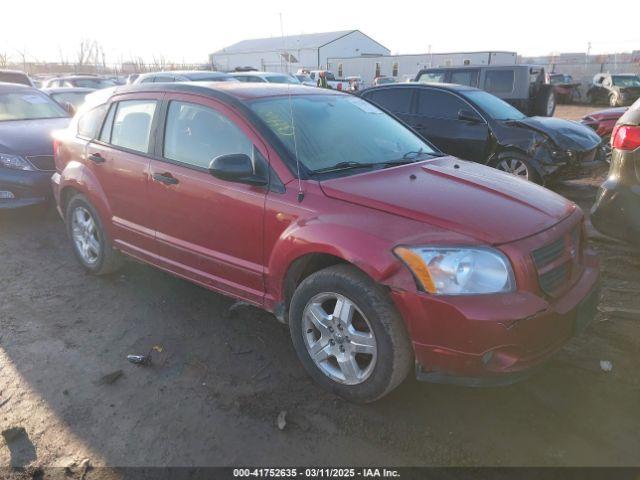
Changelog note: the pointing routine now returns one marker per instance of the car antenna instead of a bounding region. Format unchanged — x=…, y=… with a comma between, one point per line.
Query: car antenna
x=287, y=59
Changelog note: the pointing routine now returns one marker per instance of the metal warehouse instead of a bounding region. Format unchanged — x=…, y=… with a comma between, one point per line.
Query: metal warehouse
x=290, y=53
x=405, y=67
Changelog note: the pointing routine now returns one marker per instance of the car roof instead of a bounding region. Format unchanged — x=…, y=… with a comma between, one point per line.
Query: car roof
x=67, y=90
x=77, y=77
x=262, y=74
x=226, y=90
x=6, y=70
x=7, y=87
x=439, y=86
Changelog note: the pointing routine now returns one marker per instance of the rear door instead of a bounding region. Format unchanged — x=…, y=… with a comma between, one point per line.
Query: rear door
x=207, y=229
x=397, y=100
x=464, y=76
x=436, y=119
x=119, y=157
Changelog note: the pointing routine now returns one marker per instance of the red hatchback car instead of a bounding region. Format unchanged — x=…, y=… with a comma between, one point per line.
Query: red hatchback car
x=378, y=251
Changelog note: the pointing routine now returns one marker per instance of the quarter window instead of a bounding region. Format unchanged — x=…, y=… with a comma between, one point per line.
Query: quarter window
x=132, y=124
x=499, y=81
x=90, y=122
x=195, y=135
x=105, y=134
x=439, y=104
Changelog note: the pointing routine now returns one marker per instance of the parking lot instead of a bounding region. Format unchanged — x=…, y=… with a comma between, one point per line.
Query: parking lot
x=221, y=376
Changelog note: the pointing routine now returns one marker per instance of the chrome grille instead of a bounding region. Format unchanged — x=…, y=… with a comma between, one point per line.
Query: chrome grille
x=43, y=162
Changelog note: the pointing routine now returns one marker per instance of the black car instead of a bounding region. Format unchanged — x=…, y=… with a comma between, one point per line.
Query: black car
x=475, y=125
x=526, y=87
x=616, y=90
x=27, y=119
x=616, y=211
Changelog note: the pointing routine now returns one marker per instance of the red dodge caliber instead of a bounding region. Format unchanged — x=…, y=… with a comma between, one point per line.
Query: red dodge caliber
x=380, y=253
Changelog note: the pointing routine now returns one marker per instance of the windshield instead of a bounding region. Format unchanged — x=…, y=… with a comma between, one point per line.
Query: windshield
x=493, y=106
x=332, y=128
x=28, y=106
x=96, y=83
x=281, y=79
x=626, y=80
x=74, y=98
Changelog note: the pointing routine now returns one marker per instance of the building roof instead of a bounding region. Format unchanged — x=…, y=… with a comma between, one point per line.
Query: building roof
x=291, y=42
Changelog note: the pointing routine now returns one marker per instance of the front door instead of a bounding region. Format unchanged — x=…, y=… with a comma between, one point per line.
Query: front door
x=207, y=229
x=436, y=119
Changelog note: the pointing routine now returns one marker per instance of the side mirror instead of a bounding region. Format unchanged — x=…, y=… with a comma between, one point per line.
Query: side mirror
x=469, y=116
x=236, y=167
x=68, y=106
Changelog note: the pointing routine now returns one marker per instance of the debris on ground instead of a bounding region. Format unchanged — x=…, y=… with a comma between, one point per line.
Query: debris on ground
x=140, y=359
x=110, y=378
x=282, y=420
x=625, y=313
x=85, y=465
x=606, y=366
x=22, y=450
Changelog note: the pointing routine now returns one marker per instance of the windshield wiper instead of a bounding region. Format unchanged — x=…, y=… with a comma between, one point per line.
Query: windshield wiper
x=353, y=165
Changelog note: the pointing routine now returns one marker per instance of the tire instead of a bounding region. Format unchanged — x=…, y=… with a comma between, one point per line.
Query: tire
x=374, y=328
x=545, y=103
x=513, y=163
x=82, y=219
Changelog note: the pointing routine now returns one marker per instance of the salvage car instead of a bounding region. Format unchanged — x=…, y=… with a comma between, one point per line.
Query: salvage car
x=69, y=98
x=265, y=77
x=526, y=87
x=16, y=76
x=184, y=76
x=79, y=81
x=378, y=251
x=602, y=122
x=475, y=125
x=618, y=90
x=27, y=119
x=564, y=88
x=616, y=211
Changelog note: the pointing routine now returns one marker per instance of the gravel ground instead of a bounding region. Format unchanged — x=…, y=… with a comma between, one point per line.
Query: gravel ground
x=220, y=377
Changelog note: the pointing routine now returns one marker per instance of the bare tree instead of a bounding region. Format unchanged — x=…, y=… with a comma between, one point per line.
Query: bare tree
x=88, y=52
x=4, y=59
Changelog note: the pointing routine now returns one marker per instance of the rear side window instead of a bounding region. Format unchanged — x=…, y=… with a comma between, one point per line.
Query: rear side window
x=14, y=77
x=439, y=104
x=432, y=77
x=196, y=134
x=465, y=77
x=499, y=81
x=396, y=100
x=164, y=78
x=90, y=122
x=132, y=124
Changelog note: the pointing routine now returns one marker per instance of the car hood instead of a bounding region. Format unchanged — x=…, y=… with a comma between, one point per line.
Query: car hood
x=464, y=197
x=609, y=113
x=564, y=133
x=29, y=137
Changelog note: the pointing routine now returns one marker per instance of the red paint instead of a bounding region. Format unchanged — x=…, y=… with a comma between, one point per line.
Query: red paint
x=603, y=121
x=241, y=240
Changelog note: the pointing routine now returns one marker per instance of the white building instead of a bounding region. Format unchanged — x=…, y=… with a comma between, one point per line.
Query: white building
x=405, y=67
x=309, y=51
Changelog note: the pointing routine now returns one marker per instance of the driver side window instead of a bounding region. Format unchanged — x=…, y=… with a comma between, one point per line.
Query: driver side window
x=196, y=134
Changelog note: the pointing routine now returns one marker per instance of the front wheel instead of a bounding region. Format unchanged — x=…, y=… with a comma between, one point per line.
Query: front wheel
x=517, y=165
x=89, y=239
x=613, y=100
x=348, y=335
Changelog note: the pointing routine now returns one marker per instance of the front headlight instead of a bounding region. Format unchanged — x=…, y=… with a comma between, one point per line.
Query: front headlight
x=458, y=271
x=14, y=161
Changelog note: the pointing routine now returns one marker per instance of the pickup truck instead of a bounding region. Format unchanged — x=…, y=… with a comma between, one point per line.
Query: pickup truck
x=332, y=81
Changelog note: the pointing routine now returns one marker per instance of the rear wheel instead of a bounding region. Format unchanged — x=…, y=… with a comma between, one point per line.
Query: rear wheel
x=348, y=335
x=89, y=239
x=545, y=103
x=518, y=165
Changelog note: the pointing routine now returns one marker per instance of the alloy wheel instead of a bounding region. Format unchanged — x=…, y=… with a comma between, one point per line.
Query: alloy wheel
x=339, y=338
x=514, y=166
x=85, y=235
x=551, y=105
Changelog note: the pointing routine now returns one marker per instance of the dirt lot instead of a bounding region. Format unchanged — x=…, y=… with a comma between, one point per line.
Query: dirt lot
x=215, y=389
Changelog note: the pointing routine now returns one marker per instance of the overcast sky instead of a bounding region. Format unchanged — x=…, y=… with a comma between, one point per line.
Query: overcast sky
x=188, y=30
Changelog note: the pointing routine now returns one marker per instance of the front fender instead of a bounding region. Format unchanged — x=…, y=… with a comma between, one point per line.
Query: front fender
x=366, y=251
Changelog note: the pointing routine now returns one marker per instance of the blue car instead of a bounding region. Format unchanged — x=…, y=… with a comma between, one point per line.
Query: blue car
x=27, y=119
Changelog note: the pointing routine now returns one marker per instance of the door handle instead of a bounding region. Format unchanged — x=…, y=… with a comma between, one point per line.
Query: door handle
x=96, y=158
x=165, y=178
